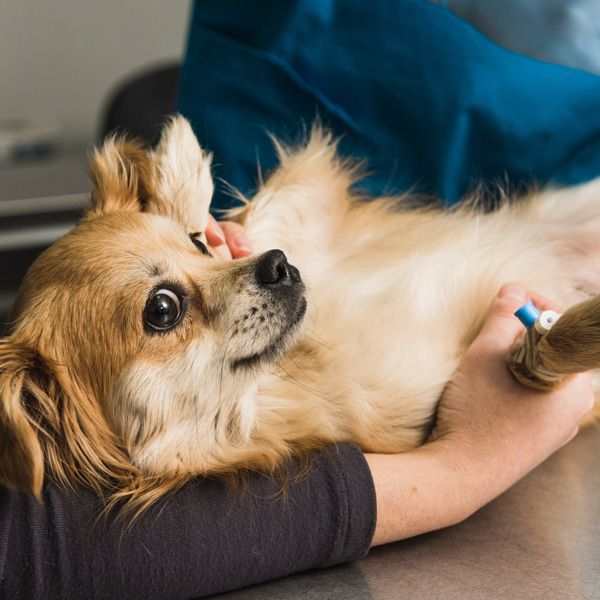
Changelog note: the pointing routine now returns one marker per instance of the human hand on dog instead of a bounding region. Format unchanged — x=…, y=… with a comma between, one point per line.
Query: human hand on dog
x=491, y=421
x=228, y=239
x=490, y=432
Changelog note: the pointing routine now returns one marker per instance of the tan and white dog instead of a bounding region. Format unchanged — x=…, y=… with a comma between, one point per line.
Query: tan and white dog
x=138, y=360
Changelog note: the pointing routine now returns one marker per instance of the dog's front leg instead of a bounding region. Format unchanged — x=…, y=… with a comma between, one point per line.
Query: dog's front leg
x=299, y=206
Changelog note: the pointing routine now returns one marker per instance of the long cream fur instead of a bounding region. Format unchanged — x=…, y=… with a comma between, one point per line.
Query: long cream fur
x=395, y=296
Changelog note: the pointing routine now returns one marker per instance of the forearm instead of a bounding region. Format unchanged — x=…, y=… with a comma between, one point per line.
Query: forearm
x=436, y=486
x=416, y=492
x=490, y=431
x=203, y=540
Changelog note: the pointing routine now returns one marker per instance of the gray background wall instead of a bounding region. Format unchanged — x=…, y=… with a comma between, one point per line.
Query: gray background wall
x=60, y=58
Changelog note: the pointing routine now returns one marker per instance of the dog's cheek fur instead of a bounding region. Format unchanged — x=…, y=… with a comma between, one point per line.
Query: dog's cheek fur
x=184, y=415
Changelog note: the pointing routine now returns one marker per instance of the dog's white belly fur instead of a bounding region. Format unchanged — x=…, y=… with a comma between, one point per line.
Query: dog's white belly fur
x=395, y=298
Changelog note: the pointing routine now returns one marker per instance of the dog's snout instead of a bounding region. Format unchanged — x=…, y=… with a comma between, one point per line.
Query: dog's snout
x=273, y=269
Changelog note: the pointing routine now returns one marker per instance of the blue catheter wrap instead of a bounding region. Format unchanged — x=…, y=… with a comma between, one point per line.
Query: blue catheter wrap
x=528, y=314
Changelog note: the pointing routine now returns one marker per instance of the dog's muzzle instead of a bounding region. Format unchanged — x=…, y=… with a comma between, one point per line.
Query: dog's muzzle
x=281, y=281
x=274, y=273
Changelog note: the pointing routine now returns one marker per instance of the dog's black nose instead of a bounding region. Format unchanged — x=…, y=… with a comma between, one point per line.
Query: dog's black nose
x=273, y=268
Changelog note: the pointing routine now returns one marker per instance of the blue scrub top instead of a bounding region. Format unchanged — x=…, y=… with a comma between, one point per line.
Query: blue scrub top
x=429, y=103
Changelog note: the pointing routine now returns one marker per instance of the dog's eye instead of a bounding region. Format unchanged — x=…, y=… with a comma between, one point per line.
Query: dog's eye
x=202, y=247
x=163, y=309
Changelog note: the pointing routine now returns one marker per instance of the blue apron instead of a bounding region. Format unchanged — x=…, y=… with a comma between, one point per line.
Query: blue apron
x=428, y=102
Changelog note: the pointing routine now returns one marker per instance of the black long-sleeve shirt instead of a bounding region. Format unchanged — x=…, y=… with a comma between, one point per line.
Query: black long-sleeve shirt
x=205, y=539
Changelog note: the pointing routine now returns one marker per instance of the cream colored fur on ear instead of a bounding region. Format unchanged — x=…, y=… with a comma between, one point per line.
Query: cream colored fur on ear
x=184, y=185
x=122, y=175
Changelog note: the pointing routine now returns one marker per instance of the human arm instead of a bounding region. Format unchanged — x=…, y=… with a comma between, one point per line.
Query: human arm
x=490, y=432
x=206, y=538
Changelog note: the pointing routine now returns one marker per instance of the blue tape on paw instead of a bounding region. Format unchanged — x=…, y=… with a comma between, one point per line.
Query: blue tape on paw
x=528, y=314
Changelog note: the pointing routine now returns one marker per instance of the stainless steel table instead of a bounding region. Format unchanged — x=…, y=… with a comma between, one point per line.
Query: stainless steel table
x=541, y=539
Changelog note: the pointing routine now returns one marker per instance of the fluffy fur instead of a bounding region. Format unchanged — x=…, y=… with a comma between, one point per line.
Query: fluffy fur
x=89, y=394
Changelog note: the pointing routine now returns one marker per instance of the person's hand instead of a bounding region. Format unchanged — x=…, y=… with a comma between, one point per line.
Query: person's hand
x=490, y=432
x=228, y=239
x=491, y=420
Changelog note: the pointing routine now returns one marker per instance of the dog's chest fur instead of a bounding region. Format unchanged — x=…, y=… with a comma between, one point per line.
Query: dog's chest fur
x=394, y=298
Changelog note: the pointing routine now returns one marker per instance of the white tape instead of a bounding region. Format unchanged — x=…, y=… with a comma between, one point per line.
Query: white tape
x=546, y=321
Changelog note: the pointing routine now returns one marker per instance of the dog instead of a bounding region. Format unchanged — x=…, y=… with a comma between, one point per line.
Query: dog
x=137, y=359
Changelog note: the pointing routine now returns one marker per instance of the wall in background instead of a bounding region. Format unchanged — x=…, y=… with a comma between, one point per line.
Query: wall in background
x=61, y=58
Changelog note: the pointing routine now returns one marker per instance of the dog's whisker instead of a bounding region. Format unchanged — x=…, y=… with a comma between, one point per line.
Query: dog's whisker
x=221, y=375
x=291, y=379
x=186, y=181
x=302, y=371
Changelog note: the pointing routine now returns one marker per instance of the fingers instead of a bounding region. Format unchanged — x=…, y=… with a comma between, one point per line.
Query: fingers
x=501, y=325
x=223, y=252
x=583, y=388
x=542, y=303
x=228, y=239
x=214, y=233
x=216, y=238
x=236, y=238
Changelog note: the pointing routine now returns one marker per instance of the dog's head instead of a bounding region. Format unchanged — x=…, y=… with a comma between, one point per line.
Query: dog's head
x=132, y=346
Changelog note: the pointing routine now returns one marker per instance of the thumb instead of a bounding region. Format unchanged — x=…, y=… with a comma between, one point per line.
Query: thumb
x=501, y=324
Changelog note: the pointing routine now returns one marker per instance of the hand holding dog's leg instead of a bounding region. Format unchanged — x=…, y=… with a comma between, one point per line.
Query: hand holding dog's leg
x=490, y=432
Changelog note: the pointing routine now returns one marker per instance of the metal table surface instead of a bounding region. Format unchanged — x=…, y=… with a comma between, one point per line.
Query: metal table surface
x=541, y=539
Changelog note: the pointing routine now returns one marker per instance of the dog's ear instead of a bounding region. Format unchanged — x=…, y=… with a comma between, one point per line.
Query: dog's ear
x=183, y=185
x=122, y=176
x=21, y=456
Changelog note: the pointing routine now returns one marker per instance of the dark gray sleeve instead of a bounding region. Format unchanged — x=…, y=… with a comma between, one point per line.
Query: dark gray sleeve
x=205, y=539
